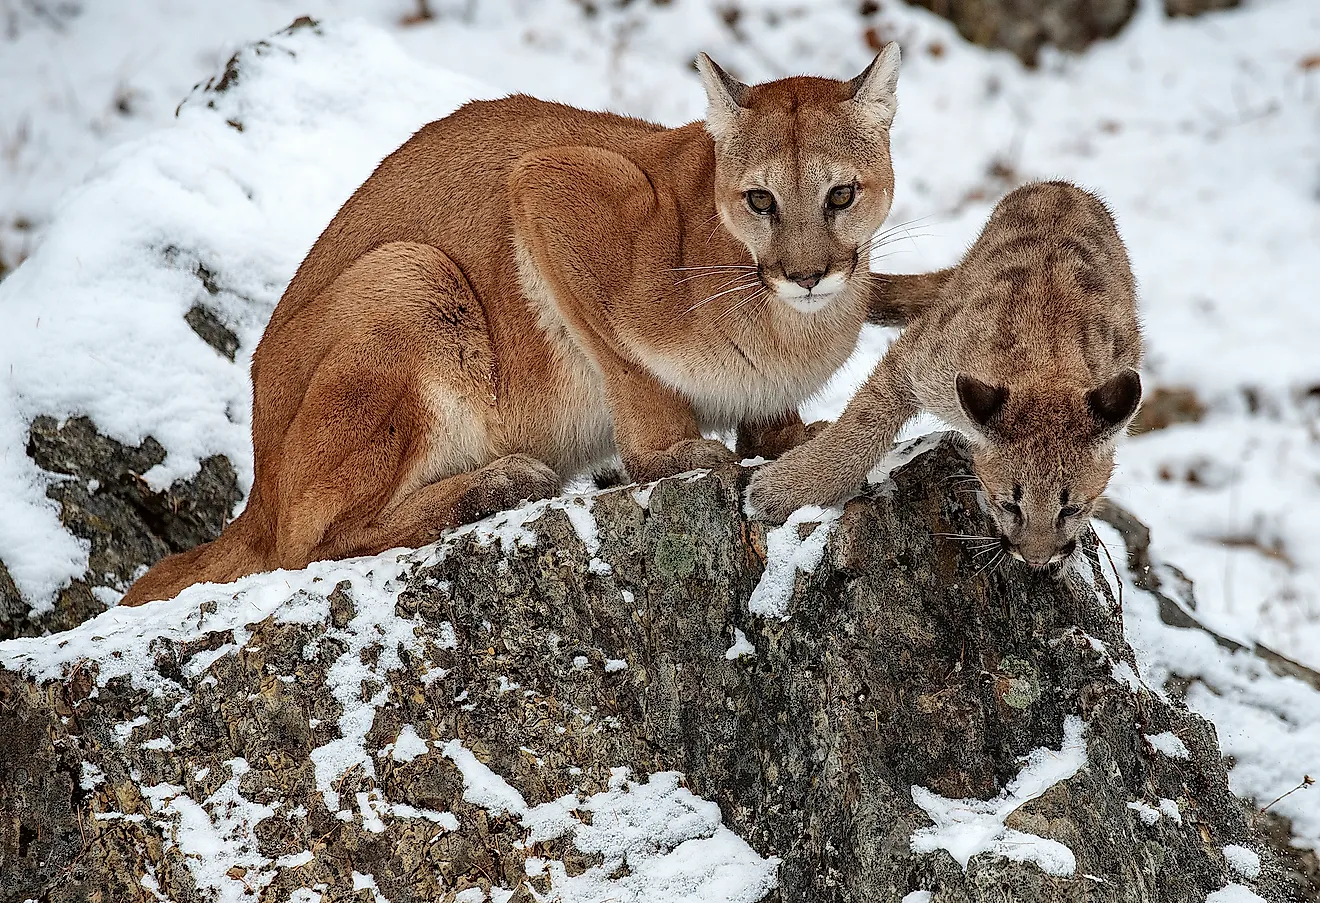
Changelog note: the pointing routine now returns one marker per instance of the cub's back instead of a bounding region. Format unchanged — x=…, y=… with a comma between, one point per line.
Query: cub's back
x=1046, y=290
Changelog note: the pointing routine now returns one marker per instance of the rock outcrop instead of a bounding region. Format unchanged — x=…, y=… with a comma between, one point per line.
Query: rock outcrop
x=867, y=702
x=97, y=482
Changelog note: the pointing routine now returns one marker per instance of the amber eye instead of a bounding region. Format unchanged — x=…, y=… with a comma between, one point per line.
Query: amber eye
x=761, y=201
x=841, y=196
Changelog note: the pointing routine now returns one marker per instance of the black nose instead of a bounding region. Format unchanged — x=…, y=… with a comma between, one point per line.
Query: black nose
x=807, y=280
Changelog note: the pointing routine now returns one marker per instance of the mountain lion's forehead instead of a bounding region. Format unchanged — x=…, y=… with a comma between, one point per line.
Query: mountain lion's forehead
x=788, y=95
x=801, y=173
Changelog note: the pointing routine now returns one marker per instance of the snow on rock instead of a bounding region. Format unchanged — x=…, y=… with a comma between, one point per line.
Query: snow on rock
x=481, y=786
x=1170, y=744
x=659, y=843
x=1244, y=861
x=966, y=828
x=788, y=553
x=408, y=747
x=741, y=646
x=1148, y=814
x=1235, y=893
x=216, y=835
x=579, y=515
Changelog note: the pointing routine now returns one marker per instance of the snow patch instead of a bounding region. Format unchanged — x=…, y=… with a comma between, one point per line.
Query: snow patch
x=1169, y=744
x=579, y=515
x=408, y=746
x=787, y=554
x=91, y=776
x=481, y=786
x=1235, y=893
x=966, y=828
x=741, y=646
x=1244, y=861
x=1148, y=814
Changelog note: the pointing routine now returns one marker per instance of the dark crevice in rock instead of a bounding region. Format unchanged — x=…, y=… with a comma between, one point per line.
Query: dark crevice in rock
x=208, y=327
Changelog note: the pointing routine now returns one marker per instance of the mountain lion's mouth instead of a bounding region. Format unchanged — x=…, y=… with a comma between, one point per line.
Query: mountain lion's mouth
x=809, y=299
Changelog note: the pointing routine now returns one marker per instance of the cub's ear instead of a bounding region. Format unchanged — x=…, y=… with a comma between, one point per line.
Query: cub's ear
x=1114, y=403
x=875, y=89
x=980, y=401
x=724, y=96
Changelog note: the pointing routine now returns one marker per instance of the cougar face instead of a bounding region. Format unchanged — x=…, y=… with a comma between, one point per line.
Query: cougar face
x=802, y=173
x=1039, y=503
x=1045, y=461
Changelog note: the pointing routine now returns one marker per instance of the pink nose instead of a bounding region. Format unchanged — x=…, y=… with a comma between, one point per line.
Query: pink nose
x=808, y=281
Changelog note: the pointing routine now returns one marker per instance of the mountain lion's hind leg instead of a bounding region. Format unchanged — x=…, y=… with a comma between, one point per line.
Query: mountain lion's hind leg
x=422, y=516
x=389, y=446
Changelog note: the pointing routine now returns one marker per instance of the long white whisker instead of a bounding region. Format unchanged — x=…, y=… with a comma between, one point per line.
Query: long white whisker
x=736, y=288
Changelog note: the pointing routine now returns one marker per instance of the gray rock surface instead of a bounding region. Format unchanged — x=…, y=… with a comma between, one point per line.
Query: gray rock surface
x=103, y=499
x=561, y=652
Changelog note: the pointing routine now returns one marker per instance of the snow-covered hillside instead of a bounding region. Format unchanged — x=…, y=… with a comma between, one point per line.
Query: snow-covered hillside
x=1204, y=136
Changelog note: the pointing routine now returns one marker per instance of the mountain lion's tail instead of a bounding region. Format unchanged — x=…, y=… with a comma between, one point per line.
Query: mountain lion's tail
x=898, y=297
x=227, y=558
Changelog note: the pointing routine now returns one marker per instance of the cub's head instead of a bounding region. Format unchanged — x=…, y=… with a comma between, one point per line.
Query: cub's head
x=802, y=173
x=1044, y=461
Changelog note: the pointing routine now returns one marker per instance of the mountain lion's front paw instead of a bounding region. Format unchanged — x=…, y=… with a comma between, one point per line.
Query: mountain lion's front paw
x=690, y=454
x=781, y=488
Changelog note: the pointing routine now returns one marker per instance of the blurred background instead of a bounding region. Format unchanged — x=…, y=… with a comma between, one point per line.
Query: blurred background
x=1197, y=120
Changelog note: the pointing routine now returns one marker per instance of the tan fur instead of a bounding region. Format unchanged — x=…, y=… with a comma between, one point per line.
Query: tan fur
x=524, y=289
x=1029, y=347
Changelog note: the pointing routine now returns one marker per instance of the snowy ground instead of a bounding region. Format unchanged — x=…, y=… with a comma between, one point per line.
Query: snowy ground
x=1204, y=135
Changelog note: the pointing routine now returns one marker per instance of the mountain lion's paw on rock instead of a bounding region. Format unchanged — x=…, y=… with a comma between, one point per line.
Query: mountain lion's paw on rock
x=681, y=457
x=506, y=483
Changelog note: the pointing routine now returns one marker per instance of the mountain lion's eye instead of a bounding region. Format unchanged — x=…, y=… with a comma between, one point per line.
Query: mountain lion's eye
x=1069, y=511
x=1012, y=508
x=761, y=201
x=840, y=197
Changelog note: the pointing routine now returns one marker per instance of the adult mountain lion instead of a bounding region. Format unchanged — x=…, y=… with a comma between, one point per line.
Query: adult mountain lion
x=524, y=289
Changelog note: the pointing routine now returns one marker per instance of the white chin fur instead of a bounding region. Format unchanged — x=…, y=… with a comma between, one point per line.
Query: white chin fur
x=809, y=301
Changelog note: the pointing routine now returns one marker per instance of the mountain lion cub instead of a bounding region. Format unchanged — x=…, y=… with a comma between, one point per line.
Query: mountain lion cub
x=524, y=289
x=1030, y=349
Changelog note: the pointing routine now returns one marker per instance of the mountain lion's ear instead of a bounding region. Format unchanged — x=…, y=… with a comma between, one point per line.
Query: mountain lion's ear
x=876, y=87
x=1114, y=403
x=980, y=401
x=724, y=96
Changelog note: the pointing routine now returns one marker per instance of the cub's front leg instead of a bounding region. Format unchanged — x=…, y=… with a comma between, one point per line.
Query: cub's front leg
x=825, y=469
x=583, y=215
